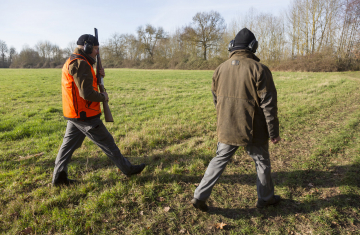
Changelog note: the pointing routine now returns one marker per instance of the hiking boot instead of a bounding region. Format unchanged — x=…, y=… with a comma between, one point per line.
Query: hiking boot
x=275, y=200
x=198, y=204
x=136, y=169
x=63, y=180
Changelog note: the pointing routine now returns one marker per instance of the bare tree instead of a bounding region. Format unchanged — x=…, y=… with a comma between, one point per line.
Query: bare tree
x=40, y=48
x=313, y=25
x=149, y=37
x=12, y=53
x=3, y=50
x=133, y=47
x=114, y=48
x=48, y=47
x=269, y=30
x=56, y=55
x=206, y=30
x=350, y=29
x=45, y=50
x=70, y=48
x=113, y=51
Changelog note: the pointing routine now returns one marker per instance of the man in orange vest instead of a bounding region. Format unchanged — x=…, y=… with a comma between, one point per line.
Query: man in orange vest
x=81, y=107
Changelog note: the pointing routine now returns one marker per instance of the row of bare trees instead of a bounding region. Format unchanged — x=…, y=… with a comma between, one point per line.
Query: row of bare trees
x=44, y=55
x=201, y=40
x=5, y=60
x=317, y=25
x=316, y=35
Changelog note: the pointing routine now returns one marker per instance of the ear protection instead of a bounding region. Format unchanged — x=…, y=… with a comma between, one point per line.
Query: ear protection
x=231, y=45
x=89, y=44
x=251, y=47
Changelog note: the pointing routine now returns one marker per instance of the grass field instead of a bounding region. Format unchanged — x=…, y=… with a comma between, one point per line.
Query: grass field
x=167, y=120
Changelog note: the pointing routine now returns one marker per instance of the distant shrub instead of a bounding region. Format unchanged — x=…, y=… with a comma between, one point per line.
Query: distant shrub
x=317, y=62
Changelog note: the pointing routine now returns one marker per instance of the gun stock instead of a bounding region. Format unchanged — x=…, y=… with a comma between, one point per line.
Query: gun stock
x=100, y=82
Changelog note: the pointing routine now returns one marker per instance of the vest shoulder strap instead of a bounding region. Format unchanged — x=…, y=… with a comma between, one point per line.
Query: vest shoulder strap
x=77, y=56
x=74, y=57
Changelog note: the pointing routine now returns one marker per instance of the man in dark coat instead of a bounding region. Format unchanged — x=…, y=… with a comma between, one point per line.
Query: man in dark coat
x=246, y=103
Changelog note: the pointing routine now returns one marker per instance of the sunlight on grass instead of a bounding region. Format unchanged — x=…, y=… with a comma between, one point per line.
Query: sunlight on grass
x=167, y=119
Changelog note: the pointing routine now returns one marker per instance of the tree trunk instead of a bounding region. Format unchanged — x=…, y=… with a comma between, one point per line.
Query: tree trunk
x=204, y=46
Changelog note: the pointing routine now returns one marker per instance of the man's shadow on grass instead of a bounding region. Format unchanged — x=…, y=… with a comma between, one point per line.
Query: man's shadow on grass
x=327, y=178
x=331, y=177
x=310, y=180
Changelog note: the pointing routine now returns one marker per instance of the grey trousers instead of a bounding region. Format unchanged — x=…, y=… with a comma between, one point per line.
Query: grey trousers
x=260, y=154
x=97, y=132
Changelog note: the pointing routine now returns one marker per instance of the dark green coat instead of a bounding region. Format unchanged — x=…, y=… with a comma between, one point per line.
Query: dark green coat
x=246, y=101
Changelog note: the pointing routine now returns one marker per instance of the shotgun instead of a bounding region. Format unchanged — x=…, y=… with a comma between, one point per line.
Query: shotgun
x=100, y=82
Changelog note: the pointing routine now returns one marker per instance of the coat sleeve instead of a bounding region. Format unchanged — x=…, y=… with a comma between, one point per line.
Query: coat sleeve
x=83, y=78
x=267, y=95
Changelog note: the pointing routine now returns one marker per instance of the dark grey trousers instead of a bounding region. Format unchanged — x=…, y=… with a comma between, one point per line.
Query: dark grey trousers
x=260, y=154
x=97, y=132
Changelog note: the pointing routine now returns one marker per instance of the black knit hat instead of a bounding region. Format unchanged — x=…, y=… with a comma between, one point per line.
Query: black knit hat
x=88, y=38
x=243, y=39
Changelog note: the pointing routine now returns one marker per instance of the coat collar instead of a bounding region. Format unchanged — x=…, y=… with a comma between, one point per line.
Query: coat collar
x=244, y=53
x=87, y=57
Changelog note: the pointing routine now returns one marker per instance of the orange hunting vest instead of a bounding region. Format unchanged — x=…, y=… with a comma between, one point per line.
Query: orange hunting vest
x=75, y=107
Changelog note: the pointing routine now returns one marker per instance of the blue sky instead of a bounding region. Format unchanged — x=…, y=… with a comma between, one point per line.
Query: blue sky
x=60, y=22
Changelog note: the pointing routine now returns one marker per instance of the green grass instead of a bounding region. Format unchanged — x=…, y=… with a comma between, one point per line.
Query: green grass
x=167, y=119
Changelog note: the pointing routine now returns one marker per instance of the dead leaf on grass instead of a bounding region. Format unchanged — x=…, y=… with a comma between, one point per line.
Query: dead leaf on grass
x=182, y=230
x=141, y=213
x=28, y=230
x=160, y=199
x=113, y=229
x=15, y=214
x=220, y=225
x=105, y=221
x=166, y=209
x=30, y=156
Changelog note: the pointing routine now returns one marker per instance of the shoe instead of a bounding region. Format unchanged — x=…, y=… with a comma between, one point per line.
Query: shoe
x=275, y=200
x=63, y=180
x=136, y=169
x=198, y=204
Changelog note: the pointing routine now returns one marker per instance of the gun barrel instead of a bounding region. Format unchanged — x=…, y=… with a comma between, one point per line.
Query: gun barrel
x=100, y=82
